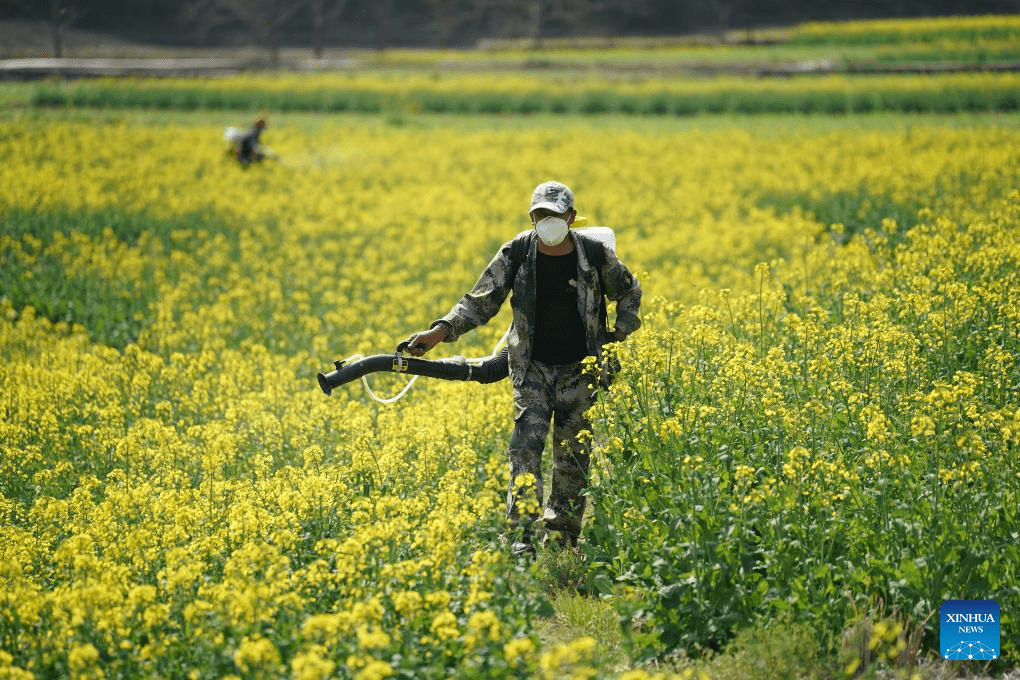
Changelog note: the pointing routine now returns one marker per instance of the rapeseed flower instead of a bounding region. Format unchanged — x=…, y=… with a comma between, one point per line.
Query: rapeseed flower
x=187, y=487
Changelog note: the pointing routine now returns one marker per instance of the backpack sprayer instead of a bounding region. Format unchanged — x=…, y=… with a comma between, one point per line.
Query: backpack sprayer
x=487, y=370
x=490, y=369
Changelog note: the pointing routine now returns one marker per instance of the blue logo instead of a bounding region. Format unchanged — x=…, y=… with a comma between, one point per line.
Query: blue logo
x=969, y=630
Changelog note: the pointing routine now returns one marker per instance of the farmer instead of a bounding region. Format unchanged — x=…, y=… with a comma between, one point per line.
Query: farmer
x=248, y=147
x=559, y=284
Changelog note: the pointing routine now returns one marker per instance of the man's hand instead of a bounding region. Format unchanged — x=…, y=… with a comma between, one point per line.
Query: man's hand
x=422, y=342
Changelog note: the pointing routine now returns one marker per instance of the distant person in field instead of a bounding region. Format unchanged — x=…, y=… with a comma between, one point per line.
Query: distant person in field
x=247, y=146
x=560, y=279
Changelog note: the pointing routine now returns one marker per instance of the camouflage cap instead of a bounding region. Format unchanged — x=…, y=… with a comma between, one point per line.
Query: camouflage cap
x=553, y=196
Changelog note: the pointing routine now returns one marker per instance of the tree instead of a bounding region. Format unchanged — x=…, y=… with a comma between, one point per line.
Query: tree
x=323, y=12
x=530, y=18
x=447, y=13
x=264, y=18
x=384, y=10
x=722, y=12
x=62, y=16
x=574, y=14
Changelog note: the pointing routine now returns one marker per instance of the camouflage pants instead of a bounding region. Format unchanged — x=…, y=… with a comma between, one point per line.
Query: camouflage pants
x=560, y=395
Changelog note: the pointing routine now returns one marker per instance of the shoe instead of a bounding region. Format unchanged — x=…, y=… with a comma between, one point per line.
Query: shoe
x=551, y=520
x=561, y=539
x=558, y=529
x=521, y=549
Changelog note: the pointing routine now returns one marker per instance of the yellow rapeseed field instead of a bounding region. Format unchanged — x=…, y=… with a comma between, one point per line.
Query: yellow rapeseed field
x=187, y=503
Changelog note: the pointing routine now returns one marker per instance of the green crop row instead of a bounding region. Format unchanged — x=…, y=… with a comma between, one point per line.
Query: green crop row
x=899, y=97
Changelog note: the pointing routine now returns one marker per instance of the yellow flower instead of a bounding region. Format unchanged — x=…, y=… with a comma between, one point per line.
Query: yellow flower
x=518, y=651
x=256, y=655
x=312, y=664
x=444, y=626
x=374, y=670
x=482, y=627
x=83, y=661
x=369, y=638
x=922, y=425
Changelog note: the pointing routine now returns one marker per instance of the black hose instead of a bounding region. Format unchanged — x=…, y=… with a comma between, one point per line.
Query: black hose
x=491, y=369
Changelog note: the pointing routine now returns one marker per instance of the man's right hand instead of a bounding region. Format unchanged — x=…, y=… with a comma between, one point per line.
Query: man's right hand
x=422, y=342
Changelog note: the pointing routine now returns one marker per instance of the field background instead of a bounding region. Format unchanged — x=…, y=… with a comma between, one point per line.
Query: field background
x=811, y=446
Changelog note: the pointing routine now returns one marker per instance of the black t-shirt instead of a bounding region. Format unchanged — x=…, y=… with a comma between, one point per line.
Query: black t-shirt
x=560, y=337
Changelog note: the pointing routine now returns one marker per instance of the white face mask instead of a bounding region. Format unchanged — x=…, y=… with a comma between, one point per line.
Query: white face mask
x=552, y=230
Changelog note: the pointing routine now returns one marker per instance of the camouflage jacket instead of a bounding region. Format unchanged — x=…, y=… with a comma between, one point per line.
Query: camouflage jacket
x=493, y=286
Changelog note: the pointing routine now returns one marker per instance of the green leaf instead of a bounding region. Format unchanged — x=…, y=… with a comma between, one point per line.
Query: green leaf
x=912, y=575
